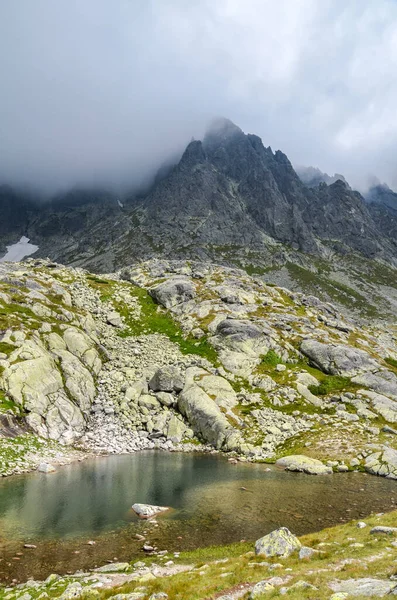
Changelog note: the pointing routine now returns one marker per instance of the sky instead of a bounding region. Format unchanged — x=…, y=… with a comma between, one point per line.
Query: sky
x=97, y=92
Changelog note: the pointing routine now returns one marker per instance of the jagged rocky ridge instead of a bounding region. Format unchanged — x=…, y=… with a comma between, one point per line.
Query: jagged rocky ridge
x=173, y=354
x=228, y=191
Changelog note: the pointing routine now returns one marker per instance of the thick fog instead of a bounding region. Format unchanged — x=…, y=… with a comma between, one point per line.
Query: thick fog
x=99, y=91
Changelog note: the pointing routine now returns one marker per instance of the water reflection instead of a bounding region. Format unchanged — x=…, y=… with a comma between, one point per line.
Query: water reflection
x=95, y=496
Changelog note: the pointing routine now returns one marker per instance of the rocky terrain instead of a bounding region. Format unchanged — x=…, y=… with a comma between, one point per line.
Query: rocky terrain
x=356, y=560
x=189, y=356
x=233, y=201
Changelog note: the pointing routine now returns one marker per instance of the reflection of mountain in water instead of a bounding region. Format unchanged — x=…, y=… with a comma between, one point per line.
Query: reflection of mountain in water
x=96, y=496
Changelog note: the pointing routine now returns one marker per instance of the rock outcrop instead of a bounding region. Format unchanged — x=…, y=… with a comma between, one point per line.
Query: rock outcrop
x=281, y=543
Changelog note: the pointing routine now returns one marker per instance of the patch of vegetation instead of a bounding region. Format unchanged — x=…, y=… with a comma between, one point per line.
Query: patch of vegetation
x=391, y=361
x=6, y=348
x=154, y=319
x=271, y=359
x=332, y=384
x=98, y=280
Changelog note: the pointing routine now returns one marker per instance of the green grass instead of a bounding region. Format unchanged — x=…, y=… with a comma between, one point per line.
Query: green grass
x=6, y=348
x=271, y=359
x=332, y=384
x=391, y=361
x=154, y=319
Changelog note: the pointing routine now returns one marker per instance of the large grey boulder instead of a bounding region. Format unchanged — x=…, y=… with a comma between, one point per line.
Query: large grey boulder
x=303, y=464
x=167, y=379
x=147, y=511
x=383, y=382
x=336, y=359
x=367, y=586
x=382, y=463
x=384, y=406
x=172, y=292
x=281, y=543
x=204, y=415
x=240, y=344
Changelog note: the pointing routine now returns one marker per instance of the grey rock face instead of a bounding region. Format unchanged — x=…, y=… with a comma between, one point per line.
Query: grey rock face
x=382, y=463
x=204, y=415
x=337, y=359
x=172, y=292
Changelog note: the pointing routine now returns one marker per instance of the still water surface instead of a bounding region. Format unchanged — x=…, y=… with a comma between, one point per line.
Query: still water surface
x=213, y=502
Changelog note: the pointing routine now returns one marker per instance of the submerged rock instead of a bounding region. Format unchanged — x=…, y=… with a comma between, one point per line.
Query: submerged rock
x=303, y=464
x=46, y=468
x=281, y=543
x=147, y=511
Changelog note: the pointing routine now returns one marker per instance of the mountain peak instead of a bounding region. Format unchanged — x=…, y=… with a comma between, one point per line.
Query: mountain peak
x=221, y=129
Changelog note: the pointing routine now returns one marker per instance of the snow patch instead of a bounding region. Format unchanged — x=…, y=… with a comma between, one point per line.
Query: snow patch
x=20, y=250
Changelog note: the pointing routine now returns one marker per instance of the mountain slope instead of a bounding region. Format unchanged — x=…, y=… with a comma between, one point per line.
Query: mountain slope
x=229, y=199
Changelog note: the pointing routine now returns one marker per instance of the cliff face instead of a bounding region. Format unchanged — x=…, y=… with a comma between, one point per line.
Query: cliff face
x=229, y=200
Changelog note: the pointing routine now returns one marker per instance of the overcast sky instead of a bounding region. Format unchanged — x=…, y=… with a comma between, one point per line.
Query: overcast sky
x=105, y=90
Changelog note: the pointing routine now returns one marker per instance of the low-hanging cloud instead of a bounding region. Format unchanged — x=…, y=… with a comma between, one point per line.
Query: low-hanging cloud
x=96, y=92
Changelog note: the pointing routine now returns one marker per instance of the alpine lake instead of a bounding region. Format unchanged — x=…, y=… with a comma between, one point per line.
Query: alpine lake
x=80, y=516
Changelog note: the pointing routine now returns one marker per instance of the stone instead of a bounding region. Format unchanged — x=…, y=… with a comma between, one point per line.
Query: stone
x=339, y=596
x=382, y=463
x=147, y=511
x=175, y=430
x=74, y=590
x=337, y=359
x=364, y=587
x=303, y=464
x=114, y=318
x=117, y=567
x=361, y=525
x=172, y=292
x=384, y=406
x=130, y=596
x=46, y=468
x=387, y=429
x=281, y=543
x=383, y=529
x=204, y=416
x=262, y=587
x=165, y=398
x=167, y=379
x=382, y=382
x=306, y=552
x=159, y=596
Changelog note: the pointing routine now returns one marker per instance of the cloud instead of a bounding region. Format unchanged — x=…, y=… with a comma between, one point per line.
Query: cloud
x=102, y=92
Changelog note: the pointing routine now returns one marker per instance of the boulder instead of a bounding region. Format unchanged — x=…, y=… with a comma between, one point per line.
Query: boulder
x=82, y=346
x=384, y=406
x=204, y=415
x=384, y=530
x=262, y=587
x=367, y=586
x=382, y=463
x=175, y=430
x=303, y=464
x=281, y=543
x=114, y=318
x=167, y=379
x=173, y=292
x=117, y=567
x=219, y=389
x=165, y=398
x=147, y=511
x=336, y=359
x=46, y=468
